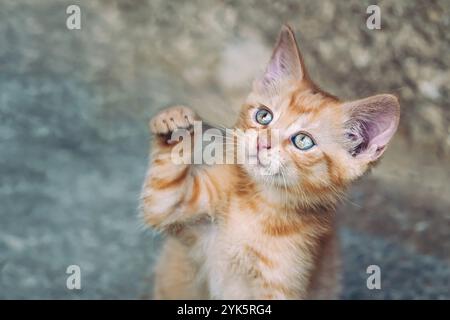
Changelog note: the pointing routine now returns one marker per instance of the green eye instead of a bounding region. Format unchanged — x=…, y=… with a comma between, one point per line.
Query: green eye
x=263, y=116
x=303, y=141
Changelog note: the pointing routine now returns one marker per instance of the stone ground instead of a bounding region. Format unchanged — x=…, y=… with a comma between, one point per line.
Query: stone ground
x=74, y=142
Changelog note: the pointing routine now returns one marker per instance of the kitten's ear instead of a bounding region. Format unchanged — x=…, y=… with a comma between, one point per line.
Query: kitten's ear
x=286, y=62
x=370, y=124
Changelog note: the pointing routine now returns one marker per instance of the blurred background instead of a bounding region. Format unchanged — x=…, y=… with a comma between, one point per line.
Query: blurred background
x=74, y=106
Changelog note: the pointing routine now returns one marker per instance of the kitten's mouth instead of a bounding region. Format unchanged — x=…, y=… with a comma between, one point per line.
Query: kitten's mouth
x=264, y=164
x=257, y=160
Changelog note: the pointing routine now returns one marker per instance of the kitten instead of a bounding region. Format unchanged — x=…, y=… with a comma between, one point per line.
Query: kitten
x=266, y=230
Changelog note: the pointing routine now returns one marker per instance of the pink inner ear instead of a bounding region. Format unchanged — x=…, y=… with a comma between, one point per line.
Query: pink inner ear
x=278, y=69
x=383, y=131
x=275, y=68
x=373, y=122
x=285, y=62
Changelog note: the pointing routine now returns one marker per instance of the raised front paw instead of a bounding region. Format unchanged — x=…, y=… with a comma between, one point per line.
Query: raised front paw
x=171, y=119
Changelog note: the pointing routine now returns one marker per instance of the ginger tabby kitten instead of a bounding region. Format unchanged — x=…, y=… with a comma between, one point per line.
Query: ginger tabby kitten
x=264, y=231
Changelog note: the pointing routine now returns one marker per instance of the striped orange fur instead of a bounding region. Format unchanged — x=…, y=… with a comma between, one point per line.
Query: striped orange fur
x=264, y=230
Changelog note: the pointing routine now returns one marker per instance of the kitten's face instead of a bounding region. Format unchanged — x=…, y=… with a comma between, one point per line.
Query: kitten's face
x=298, y=138
x=307, y=139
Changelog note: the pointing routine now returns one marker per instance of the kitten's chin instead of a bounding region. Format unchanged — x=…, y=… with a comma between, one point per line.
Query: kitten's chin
x=267, y=175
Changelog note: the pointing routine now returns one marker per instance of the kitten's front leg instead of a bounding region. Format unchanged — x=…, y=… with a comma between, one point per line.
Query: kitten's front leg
x=171, y=191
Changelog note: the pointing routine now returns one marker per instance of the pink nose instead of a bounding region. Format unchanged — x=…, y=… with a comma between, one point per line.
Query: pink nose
x=263, y=143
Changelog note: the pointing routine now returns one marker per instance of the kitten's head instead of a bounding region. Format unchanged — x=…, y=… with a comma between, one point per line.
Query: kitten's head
x=308, y=140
